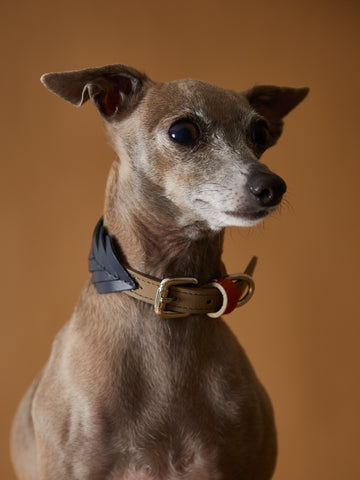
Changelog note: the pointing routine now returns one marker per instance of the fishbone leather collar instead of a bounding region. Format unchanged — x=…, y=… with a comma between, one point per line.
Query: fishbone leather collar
x=171, y=297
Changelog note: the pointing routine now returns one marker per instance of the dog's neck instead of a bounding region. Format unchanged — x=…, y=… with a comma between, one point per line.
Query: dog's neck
x=149, y=240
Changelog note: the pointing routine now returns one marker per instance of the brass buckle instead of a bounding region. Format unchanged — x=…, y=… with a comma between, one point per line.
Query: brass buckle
x=248, y=288
x=162, y=299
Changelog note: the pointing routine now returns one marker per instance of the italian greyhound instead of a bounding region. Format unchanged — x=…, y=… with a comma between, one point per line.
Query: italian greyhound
x=141, y=382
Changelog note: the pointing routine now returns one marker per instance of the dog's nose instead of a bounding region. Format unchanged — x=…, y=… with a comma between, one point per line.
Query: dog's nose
x=266, y=188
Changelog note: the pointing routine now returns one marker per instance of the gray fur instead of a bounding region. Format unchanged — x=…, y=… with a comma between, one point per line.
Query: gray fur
x=127, y=394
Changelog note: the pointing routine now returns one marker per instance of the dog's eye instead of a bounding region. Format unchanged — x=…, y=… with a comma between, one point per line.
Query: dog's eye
x=184, y=132
x=260, y=134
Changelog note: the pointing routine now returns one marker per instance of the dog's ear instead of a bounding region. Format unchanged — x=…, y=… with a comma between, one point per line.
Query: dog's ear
x=273, y=103
x=113, y=88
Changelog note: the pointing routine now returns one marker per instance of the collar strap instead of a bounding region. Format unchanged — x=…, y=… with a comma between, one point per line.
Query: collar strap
x=171, y=297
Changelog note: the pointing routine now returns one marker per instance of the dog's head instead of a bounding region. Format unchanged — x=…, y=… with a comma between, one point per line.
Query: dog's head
x=192, y=146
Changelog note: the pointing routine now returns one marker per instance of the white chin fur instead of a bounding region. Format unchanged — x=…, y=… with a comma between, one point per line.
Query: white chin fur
x=222, y=220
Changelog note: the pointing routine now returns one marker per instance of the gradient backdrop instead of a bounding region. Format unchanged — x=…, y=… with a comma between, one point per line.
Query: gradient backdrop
x=301, y=331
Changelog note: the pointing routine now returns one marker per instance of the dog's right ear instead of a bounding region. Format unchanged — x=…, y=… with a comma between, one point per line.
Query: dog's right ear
x=113, y=88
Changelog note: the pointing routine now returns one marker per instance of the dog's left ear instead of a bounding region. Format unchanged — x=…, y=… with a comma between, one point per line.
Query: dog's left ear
x=273, y=103
x=113, y=88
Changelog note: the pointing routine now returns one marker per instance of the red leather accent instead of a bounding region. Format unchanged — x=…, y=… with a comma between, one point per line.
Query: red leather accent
x=232, y=293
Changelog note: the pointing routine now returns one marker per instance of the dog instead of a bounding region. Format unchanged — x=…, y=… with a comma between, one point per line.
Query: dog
x=146, y=381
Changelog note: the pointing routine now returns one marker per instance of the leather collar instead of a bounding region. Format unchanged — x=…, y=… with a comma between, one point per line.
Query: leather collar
x=171, y=297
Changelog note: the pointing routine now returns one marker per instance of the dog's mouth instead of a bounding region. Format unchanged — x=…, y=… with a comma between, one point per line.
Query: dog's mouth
x=252, y=216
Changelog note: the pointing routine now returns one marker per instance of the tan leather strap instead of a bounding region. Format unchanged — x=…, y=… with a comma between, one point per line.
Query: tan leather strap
x=176, y=297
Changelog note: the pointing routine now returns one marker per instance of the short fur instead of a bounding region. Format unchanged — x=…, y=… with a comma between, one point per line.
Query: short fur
x=127, y=394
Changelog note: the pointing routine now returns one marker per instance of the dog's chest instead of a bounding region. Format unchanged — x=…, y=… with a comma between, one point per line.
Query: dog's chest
x=173, y=410
x=194, y=472
x=199, y=463
x=170, y=431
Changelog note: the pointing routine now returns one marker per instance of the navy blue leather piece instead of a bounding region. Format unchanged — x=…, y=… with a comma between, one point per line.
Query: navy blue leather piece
x=108, y=274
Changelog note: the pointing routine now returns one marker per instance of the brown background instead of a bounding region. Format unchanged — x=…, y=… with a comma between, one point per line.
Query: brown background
x=301, y=331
